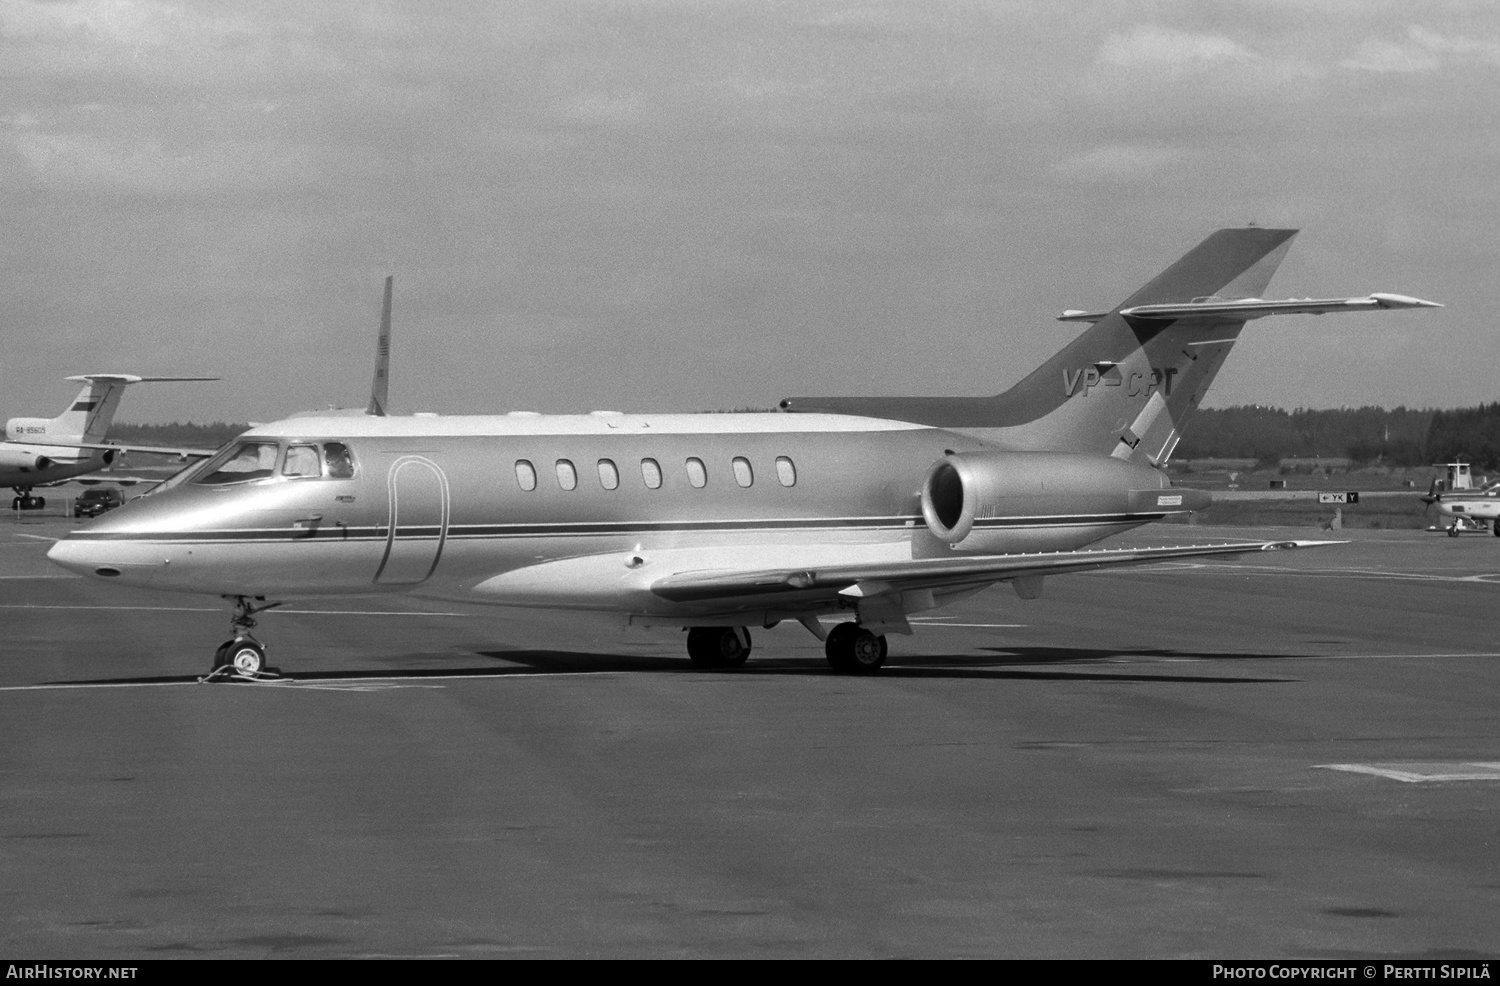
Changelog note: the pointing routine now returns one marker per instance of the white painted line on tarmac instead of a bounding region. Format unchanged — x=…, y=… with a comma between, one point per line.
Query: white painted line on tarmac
x=26, y=578
x=1419, y=773
x=298, y=684
x=992, y=626
x=154, y=609
x=200, y=609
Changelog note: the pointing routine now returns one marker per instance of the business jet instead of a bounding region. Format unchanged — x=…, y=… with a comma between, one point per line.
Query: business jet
x=46, y=451
x=1468, y=508
x=866, y=508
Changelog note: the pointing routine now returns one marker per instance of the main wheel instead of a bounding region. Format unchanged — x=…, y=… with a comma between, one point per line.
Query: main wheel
x=246, y=656
x=1453, y=531
x=717, y=647
x=1496, y=525
x=221, y=656
x=851, y=649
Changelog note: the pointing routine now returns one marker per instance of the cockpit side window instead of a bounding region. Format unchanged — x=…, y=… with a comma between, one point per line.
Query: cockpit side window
x=337, y=458
x=240, y=463
x=302, y=462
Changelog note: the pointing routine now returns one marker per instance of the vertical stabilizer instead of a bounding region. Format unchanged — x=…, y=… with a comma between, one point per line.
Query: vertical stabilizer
x=379, y=387
x=1127, y=383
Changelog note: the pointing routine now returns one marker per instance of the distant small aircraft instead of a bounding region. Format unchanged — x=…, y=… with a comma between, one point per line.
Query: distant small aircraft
x=1456, y=497
x=47, y=451
x=865, y=508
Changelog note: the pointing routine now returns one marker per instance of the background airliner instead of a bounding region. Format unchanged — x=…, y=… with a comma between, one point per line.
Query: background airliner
x=871, y=508
x=44, y=451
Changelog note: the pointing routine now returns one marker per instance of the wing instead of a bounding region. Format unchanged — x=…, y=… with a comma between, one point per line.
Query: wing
x=181, y=453
x=1248, y=308
x=877, y=578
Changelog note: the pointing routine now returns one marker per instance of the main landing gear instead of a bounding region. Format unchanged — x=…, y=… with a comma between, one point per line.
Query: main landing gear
x=851, y=649
x=242, y=653
x=25, y=501
x=718, y=647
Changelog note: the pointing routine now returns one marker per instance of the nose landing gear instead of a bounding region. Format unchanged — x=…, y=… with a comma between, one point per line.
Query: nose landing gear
x=242, y=654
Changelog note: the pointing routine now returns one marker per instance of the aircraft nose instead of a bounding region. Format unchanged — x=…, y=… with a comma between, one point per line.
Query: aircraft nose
x=106, y=560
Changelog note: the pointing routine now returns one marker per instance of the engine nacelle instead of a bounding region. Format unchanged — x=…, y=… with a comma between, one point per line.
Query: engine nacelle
x=23, y=459
x=1020, y=501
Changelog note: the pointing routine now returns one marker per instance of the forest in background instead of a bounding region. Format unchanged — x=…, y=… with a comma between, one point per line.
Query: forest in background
x=1368, y=435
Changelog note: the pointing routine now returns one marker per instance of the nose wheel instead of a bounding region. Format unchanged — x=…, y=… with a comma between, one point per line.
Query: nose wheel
x=242, y=653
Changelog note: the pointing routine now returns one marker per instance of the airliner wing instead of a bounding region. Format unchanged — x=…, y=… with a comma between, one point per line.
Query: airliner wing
x=934, y=573
x=182, y=453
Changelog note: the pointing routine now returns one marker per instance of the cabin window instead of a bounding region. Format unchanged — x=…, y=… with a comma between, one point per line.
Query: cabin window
x=786, y=471
x=697, y=473
x=651, y=473
x=302, y=462
x=609, y=476
x=743, y=474
x=567, y=476
x=525, y=475
x=337, y=460
x=241, y=463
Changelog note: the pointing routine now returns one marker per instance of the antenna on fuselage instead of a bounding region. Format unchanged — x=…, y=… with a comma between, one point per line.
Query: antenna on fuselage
x=379, y=387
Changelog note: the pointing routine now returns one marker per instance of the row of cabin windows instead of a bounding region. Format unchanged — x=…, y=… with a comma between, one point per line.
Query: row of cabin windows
x=697, y=473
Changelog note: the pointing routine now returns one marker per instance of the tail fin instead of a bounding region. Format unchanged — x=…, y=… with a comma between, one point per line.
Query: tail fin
x=88, y=417
x=379, y=387
x=1126, y=384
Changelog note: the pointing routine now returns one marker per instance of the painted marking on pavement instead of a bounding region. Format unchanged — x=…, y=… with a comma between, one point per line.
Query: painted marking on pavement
x=326, y=684
x=201, y=609
x=1420, y=773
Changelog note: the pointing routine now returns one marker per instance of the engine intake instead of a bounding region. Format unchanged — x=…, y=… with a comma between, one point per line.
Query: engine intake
x=964, y=491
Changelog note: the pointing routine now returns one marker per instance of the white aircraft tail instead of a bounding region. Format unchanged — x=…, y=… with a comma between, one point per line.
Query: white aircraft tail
x=89, y=416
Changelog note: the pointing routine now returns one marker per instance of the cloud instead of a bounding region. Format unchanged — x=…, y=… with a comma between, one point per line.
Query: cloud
x=1123, y=162
x=1170, y=52
x=1422, y=50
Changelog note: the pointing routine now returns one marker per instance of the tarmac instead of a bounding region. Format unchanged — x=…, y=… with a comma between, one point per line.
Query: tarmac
x=1288, y=755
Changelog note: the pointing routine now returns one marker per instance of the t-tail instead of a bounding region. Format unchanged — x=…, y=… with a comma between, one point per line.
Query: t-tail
x=1128, y=384
x=88, y=417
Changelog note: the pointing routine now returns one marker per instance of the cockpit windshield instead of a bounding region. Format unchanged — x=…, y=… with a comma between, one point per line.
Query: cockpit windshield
x=251, y=460
x=241, y=463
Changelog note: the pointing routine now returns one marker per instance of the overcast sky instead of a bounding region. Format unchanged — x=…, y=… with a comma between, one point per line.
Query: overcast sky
x=695, y=205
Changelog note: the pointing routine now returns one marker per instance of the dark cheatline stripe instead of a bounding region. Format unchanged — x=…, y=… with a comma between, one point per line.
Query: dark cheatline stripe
x=499, y=531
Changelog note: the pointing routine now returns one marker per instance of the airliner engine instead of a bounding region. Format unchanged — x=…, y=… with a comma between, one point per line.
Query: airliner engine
x=24, y=460
x=978, y=501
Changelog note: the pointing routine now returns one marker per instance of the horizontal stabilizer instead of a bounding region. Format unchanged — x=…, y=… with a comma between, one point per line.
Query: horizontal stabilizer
x=936, y=573
x=1248, y=308
x=132, y=378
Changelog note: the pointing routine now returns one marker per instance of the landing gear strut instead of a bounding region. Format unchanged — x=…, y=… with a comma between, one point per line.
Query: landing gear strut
x=242, y=651
x=852, y=649
x=718, y=647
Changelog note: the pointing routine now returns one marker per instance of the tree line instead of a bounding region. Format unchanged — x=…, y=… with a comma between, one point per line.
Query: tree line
x=1399, y=436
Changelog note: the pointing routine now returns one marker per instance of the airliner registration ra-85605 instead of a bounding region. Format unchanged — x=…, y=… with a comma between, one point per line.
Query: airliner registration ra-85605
x=867, y=508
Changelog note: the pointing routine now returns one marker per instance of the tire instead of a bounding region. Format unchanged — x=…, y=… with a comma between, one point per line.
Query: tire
x=717, y=647
x=851, y=649
x=1453, y=531
x=246, y=656
x=221, y=656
